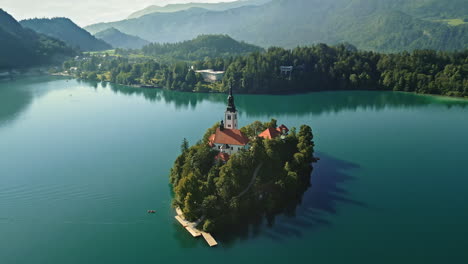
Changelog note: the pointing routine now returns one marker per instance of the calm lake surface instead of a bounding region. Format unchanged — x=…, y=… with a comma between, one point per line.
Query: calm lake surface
x=81, y=163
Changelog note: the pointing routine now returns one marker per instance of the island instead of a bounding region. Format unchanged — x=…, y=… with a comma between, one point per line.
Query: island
x=232, y=175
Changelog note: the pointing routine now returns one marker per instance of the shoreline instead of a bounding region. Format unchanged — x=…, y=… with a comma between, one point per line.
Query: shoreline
x=146, y=86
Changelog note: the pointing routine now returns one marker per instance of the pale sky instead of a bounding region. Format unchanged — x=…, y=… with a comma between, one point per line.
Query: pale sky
x=84, y=12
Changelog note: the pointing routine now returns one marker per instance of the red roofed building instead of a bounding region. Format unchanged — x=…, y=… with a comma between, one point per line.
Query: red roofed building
x=228, y=139
x=271, y=133
x=224, y=157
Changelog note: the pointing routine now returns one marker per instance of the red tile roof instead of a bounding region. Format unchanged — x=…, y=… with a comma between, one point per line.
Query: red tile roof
x=229, y=137
x=270, y=133
x=222, y=156
x=211, y=140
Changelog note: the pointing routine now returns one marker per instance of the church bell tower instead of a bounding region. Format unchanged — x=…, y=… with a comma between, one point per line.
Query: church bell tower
x=230, y=116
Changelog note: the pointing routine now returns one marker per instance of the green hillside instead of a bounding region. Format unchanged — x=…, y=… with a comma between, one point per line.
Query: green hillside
x=212, y=46
x=67, y=31
x=20, y=47
x=120, y=40
x=381, y=25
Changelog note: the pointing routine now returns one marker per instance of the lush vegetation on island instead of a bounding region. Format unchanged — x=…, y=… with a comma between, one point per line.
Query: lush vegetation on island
x=315, y=68
x=378, y=25
x=225, y=194
x=21, y=47
x=65, y=30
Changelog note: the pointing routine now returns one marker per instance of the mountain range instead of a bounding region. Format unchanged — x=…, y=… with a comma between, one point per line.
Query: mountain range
x=209, y=6
x=66, y=30
x=121, y=40
x=380, y=25
x=21, y=47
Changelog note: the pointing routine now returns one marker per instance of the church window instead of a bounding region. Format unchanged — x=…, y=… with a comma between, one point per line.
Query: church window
x=229, y=117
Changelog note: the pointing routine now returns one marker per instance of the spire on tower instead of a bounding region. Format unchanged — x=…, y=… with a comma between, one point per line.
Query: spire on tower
x=231, y=106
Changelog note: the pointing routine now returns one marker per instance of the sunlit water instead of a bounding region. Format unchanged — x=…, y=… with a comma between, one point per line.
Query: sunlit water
x=81, y=163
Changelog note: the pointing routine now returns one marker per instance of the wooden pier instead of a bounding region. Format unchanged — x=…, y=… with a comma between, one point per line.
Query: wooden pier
x=209, y=239
x=191, y=228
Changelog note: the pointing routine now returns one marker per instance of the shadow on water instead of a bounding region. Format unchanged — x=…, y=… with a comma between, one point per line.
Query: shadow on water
x=313, y=211
x=17, y=95
x=303, y=104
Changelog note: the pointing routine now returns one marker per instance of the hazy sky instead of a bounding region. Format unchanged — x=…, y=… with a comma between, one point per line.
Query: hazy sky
x=84, y=12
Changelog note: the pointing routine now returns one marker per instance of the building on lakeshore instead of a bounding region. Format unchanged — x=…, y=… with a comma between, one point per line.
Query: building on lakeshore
x=228, y=139
x=211, y=75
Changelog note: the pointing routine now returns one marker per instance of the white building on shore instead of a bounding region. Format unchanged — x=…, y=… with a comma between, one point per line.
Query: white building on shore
x=211, y=75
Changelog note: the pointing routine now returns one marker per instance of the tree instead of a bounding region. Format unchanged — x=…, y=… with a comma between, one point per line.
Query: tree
x=185, y=145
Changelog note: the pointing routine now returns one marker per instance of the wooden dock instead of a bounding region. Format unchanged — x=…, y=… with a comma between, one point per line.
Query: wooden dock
x=209, y=239
x=191, y=228
x=193, y=232
x=179, y=212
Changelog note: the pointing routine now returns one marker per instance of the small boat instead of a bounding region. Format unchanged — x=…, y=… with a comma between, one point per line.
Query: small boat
x=151, y=211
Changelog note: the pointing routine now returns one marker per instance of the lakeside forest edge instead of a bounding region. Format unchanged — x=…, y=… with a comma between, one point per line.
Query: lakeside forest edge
x=316, y=68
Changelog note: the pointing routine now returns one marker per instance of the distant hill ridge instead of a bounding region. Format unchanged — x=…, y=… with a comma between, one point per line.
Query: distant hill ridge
x=21, y=47
x=170, y=8
x=121, y=40
x=381, y=25
x=212, y=46
x=67, y=31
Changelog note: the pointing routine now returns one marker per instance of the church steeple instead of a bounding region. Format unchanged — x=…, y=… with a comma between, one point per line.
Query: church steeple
x=230, y=117
x=231, y=106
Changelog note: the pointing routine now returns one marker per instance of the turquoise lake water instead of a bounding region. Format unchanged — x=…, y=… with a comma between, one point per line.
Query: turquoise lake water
x=81, y=163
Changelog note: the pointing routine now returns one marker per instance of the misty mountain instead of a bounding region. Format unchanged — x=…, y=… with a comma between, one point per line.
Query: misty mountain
x=121, y=40
x=382, y=25
x=64, y=29
x=209, y=6
x=22, y=47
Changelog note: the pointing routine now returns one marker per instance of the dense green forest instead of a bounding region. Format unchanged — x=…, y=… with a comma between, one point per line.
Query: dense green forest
x=218, y=191
x=65, y=30
x=378, y=25
x=315, y=68
x=21, y=47
x=203, y=46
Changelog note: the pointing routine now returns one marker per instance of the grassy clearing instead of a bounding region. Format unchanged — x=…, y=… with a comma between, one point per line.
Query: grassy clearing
x=109, y=52
x=452, y=22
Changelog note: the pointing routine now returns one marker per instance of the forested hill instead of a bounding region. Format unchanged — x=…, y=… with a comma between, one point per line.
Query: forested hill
x=20, y=47
x=67, y=31
x=212, y=46
x=380, y=25
x=121, y=40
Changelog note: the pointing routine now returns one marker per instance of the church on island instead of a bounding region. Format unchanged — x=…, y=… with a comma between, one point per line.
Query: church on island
x=228, y=139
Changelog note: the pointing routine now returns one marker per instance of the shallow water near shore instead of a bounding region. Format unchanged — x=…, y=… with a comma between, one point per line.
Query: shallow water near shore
x=82, y=162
